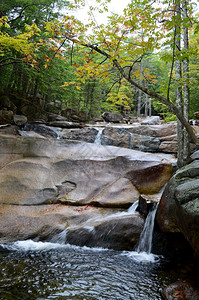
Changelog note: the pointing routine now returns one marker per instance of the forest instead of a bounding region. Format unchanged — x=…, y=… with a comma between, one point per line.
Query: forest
x=143, y=61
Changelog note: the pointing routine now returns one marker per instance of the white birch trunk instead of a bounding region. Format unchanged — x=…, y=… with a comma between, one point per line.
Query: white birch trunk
x=186, y=150
x=140, y=92
x=178, y=78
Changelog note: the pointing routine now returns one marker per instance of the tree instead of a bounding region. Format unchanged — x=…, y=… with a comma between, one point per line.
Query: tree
x=122, y=48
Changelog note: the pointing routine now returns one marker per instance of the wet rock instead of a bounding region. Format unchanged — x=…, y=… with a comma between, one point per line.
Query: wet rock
x=87, y=134
x=37, y=174
x=44, y=221
x=144, y=205
x=112, y=117
x=116, y=232
x=116, y=137
x=41, y=129
x=180, y=290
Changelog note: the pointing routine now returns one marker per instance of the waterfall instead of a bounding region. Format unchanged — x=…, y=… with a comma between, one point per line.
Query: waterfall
x=133, y=207
x=98, y=137
x=145, y=242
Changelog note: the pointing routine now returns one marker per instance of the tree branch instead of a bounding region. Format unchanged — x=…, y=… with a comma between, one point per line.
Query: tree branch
x=152, y=94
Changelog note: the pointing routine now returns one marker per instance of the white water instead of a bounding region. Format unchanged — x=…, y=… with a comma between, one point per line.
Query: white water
x=133, y=207
x=145, y=242
x=57, y=130
x=30, y=245
x=141, y=255
x=98, y=137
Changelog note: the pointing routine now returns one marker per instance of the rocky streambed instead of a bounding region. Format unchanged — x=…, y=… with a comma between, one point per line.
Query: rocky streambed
x=48, y=185
x=75, y=191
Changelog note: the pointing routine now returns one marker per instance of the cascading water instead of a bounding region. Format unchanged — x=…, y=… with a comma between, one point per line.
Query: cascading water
x=56, y=270
x=145, y=242
x=98, y=137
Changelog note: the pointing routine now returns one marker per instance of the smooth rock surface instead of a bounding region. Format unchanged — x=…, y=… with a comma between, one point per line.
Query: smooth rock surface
x=153, y=120
x=112, y=117
x=38, y=174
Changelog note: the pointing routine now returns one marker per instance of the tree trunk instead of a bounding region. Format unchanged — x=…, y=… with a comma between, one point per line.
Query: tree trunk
x=172, y=107
x=186, y=150
x=178, y=80
x=140, y=92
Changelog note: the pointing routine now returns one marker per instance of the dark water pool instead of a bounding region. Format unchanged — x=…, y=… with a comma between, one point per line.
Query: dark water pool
x=47, y=271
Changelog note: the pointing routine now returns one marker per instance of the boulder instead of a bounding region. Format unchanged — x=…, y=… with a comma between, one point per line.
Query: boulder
x=55, y=117
x=179, y=206
x=112, y=117
x=148, y=138
x=196, y=115
x=181, y=290
x=107, y=232
x=153, y=120
x=40, y=177
x=159, y=131
x=9, y=129
x=42, y=129
x=143, y=142
x=20, y=120
x=87, y=134
x=115, y=136
x=44, y=222
x=6, y=117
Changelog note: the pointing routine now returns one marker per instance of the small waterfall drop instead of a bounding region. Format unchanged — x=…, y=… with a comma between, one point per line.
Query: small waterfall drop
x=58, y=131
x=145, y=242
x=133, y=207
x=98, y=137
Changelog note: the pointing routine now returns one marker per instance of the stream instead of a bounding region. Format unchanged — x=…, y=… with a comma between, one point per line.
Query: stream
x=36, y=270
x=33, y=269
x=56, y=270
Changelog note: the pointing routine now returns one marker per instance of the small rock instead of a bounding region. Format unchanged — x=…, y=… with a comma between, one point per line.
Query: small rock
x=111, y=117
x=154, y=120
x=20, y=120
x=180, y=290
